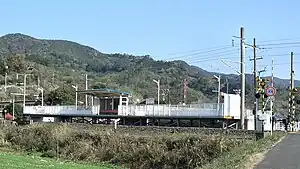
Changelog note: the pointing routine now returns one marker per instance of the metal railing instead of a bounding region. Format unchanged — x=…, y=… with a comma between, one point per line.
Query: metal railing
x=206, y=109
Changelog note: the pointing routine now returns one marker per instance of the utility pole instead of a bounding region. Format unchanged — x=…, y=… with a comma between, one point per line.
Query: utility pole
x=86, y=87
x=5, y=78
x=184, y=91
x=271, y=101
x=158, y=91
x=243, y=80
x=219, y=91
x=227, y=86
x=76, y=95
x=24, y=91
x=53, y=78
x=291, y=94
x=38, y=82
x=255, y=82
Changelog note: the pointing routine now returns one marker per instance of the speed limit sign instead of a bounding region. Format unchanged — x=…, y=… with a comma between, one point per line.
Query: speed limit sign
x=270, y=91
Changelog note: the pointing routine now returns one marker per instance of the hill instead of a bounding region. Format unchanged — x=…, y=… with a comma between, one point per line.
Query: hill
x=61, y=64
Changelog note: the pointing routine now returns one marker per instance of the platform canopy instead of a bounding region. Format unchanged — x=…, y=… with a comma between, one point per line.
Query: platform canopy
x=104, y=92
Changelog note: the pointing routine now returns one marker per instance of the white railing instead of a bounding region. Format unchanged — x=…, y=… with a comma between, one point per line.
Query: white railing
x=173, y=110
x=60, y=110
x=135, y=110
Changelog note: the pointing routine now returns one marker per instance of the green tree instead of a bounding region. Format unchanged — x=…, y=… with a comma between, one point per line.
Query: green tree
x=16, y=63
x=18, y=111
x=61, y=96
x=99, y=86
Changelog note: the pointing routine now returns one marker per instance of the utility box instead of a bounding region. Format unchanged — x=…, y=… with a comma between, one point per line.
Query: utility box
x=264, y=121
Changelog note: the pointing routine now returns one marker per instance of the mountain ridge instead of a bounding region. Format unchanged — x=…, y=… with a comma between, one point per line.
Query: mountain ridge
x=96, y=52
x=70, y=60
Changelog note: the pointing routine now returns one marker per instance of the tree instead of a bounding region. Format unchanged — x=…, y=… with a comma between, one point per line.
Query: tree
x=16, y=63
x=18, y=111
x=61, y=96
x=99, y=86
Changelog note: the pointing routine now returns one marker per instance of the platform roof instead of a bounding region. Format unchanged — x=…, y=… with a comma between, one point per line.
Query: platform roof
x=104, y=92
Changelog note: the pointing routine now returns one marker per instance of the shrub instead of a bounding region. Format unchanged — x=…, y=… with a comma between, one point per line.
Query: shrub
x=170, y=150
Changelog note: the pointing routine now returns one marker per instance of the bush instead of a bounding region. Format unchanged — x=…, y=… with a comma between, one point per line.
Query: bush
x=173, y=150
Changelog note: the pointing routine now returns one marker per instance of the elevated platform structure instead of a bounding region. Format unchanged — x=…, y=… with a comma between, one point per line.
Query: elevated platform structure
x=113, y=104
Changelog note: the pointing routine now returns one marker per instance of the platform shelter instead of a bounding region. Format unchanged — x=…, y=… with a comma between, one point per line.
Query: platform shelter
x=111, y=102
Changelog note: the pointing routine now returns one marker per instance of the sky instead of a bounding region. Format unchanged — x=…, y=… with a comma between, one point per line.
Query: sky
x=197, y=31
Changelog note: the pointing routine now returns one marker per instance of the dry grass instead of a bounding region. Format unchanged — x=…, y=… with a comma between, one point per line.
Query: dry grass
x=246, y=155
x=163, y=150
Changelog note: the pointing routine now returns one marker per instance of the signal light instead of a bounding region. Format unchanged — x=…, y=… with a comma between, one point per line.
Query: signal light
x=257, y=95
x=258, y=79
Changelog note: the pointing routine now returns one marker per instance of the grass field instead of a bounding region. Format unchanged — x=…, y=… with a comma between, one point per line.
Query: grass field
x=17, y=161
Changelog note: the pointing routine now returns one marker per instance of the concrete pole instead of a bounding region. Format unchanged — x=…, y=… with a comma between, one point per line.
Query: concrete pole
x=76, y=98
x=24, y=92
x=227, y=86
x=243, y=80
x=76, y=95
x=271, y=101
x=219, y=93
x=42, y=90
x=255, y=83
x=5, y=85
x=13, y=102
x=292, y=94
x=86, y=87
x=158, y=92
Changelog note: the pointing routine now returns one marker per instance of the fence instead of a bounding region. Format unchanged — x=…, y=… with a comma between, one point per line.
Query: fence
x=174, y=110
x=135, y=110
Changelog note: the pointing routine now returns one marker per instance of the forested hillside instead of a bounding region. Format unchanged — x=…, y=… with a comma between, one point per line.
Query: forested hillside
x=59, y=64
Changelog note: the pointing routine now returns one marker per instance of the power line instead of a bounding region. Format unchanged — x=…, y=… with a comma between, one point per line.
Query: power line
x=195, y=50
x=234, y=44
x=204, y=54
x=276, y=40
x=212, y=50
x=284, y=47
x=212, y=59
x=279, y=64
x=277, y=44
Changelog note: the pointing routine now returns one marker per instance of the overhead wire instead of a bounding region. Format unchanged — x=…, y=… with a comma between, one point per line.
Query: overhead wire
x=195, y=50
x=276, y=40
x=216, y=53
x=276, y=44
x=204, y=53
x=217, y=48
x=279, y=64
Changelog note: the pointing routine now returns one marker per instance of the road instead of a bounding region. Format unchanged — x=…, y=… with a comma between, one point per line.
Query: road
x=285, y=155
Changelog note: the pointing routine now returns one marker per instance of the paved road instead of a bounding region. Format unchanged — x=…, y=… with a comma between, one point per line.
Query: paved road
x=285, y=155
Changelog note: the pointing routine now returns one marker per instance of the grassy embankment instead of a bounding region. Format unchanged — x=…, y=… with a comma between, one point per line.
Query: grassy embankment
x=135, y=148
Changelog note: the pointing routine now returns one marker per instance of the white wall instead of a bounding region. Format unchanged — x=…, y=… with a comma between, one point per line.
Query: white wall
x=232, y=105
